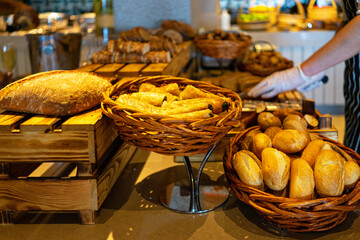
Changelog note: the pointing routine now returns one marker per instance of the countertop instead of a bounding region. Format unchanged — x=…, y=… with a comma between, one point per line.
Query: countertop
x=133, y=211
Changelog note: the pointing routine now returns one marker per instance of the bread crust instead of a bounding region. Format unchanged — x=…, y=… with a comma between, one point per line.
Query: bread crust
x=302, y=182
x=290, y=141
x=329, y=173
x=275, y=168
x=59, y=92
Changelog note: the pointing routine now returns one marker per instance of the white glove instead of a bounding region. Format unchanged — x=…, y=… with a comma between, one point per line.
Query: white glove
x=282, y=81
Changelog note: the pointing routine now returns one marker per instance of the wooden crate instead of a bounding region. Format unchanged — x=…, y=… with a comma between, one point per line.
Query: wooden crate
x=86, y=155
x=173, y=68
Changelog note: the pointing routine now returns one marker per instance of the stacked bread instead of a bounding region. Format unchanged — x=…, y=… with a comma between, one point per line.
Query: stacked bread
x=140, y=45
x=281, y=157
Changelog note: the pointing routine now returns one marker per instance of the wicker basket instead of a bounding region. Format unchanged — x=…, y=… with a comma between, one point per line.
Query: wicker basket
x=226, y=49
x=266, y=71
x=170, y=136
x=295, y=215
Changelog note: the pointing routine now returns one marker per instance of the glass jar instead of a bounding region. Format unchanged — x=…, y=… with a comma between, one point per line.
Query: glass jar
x=104, y=19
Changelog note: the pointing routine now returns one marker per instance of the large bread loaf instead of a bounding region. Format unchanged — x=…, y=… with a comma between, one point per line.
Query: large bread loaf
x=60, y=92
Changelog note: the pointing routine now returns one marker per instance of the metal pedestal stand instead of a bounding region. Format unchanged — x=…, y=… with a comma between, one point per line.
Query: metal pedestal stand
x=191, y=197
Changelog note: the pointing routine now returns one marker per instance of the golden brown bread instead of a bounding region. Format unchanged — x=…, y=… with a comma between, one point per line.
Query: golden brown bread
x=299, y=124
x=295, y=117
x=275, y=168
x=248, y=167
x=60, y=92
x=290, y=141
x=260, y=142
x=311, y=150
x=267, y=119
x=302, y=183
x=247, y=143
x=272, y=131
x=352, y=174
x=329, y=173
x=283, y=112
x=179, y=26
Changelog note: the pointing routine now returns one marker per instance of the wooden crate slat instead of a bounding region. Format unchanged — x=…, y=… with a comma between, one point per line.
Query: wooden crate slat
x=109, y=70
x=39, y=124
x=154, y=69
x=9, y=119
x=45, y=147
x=48, y=194
x=105, y=135
x=179, y=61
x=90, y=67
x=83, y=122
x=111, y=173
x=131, y=70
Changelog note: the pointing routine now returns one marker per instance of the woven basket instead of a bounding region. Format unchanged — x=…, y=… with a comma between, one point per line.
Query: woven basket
x=170, y=136
x=226, y=49
x=266, y=71
x=295, y=215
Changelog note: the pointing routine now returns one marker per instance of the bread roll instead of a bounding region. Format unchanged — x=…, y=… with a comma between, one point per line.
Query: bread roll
x=248, y=168
x=352, y=174
x=267, y=119
x=302, y=182
x=275, y=168
x=272, y=131
x=246, y=143
x=329, y=173
x=284, y=112
x=296, y=124
x=290, y=141
x=311, y=150
x=297, y=118
x=60, y=92
x=260, y=142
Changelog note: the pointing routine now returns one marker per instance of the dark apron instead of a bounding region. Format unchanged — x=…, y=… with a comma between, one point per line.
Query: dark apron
x=351, y=89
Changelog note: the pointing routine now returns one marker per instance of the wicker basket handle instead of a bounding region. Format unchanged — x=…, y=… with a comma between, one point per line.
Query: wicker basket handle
x=262, y=42
x=312, y=2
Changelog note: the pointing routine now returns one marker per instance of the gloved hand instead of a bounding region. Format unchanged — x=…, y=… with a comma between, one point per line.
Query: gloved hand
x=315, y=82
x=282, y=81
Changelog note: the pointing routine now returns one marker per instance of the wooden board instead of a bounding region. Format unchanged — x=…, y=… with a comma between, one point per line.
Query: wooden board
x=109, y=70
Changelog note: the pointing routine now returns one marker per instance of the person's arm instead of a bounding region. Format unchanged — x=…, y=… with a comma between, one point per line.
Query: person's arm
x=345, y=44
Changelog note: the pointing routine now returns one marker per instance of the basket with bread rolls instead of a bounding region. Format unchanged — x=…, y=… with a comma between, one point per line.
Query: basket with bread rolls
x=223, y=44
x=171, y=115
x=299, y=181
x=263, y=60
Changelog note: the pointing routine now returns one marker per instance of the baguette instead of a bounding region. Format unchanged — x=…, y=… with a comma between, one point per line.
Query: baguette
x=59, y=92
